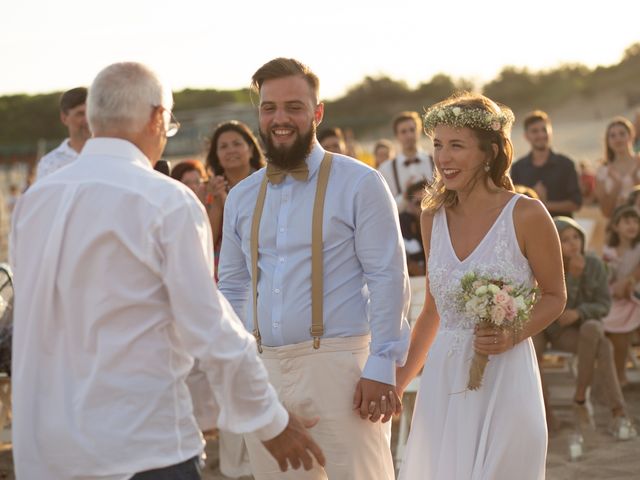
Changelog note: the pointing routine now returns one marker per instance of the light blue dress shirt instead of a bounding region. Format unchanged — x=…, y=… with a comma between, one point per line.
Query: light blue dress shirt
x=366, y=286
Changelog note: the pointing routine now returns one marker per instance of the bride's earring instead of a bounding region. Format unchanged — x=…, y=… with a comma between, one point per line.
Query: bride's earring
x=487, y=167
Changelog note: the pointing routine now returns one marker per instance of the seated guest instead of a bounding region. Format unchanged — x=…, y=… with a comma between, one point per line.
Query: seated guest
x=580, y=330
x=621, y=254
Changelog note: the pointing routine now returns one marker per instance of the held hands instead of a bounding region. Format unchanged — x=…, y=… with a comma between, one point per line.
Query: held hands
x=493, y=341
x=293, y=445
x=376, y=400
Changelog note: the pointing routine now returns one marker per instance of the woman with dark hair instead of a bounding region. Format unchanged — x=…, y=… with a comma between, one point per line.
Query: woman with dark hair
x=621, y=170
x=234, y=154
x=473, y=222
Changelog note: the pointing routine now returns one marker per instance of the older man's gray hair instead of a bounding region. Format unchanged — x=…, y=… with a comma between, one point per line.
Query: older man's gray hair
x=122, y=97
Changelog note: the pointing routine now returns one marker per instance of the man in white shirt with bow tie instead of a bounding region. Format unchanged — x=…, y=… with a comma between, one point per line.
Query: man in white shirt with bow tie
x=114, y=298
x=411, y=165
x=313, y=262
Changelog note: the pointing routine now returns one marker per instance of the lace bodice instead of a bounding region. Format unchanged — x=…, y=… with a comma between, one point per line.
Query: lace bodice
x=497, y=255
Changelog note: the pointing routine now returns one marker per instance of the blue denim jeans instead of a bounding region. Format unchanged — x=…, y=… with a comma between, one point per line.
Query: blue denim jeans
x=189, y=470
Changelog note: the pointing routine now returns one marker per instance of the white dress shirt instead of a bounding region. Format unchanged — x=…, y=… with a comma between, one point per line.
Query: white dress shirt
x=57, y=158
x=114, y=297
x=366, y=286
x=407, y=174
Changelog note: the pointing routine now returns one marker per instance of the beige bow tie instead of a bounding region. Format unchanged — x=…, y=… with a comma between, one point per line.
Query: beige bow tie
x=276, y=174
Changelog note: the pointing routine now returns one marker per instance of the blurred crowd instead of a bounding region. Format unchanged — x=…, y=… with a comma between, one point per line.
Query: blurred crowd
x=603, y=311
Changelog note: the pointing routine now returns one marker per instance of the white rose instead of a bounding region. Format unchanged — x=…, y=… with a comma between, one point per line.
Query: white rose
x=520, y=305
x=476, y=306
x=498, y=314
x=456, y=111
x=482, y=290
x=493, y=288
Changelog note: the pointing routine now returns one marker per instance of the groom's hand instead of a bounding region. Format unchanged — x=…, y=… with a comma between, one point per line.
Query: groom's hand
x=294, y=444
x=375, y=400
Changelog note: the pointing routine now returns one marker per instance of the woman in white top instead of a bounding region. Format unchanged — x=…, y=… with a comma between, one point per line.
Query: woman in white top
x=473, y=221
x=621, y=170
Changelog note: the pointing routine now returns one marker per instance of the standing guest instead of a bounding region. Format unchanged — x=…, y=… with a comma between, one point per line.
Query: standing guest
x=332, y=140
x=330, y=345
x=411, y=165
x=410, y=228
x=621, y=170
x=234, y=154
x=382, y=151
x=622, y=256
x=552, y=175
x=473, y=222
x=579, y=329
x=114, y=300
x=73, y=116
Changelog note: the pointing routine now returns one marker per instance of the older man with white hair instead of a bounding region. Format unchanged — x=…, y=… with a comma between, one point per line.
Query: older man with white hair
x=115, y=298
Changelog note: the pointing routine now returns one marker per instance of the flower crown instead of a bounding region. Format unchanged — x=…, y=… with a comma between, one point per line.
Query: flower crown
x=456, y=116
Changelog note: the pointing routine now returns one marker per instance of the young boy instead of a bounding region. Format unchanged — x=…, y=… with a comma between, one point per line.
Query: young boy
x=579, y=329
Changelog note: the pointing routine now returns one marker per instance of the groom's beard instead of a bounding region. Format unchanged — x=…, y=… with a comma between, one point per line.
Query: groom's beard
x=289, y=157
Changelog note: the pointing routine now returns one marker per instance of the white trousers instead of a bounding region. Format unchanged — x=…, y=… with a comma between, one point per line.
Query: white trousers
x=321, y=383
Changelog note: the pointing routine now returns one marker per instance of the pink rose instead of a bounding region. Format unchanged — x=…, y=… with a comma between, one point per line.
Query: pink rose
x=501, y=298
x=511, y=309
x=498, y=314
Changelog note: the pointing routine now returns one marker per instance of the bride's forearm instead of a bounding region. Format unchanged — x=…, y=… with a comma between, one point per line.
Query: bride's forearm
x=546, y=311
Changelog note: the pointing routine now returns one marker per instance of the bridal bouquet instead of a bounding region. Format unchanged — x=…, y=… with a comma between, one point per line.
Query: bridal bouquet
x=496, y=303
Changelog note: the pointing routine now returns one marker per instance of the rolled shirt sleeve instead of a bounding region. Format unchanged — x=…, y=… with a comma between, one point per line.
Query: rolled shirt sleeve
x=212, y=332
x=380, y=250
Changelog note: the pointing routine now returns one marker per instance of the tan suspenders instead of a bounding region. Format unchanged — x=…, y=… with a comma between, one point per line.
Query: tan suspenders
x=317, y=289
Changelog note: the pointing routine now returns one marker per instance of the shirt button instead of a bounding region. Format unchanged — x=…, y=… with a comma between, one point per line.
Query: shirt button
x=281, y=229
x=277, y=290
x=281, y=259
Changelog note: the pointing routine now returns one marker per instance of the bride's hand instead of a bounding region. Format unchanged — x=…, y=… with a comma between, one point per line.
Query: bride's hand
x=492, y=340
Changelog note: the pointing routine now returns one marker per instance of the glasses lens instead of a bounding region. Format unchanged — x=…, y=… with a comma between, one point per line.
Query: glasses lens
x=173, y=126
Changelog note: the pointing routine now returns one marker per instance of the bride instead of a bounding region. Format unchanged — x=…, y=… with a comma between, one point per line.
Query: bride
x=473, y=221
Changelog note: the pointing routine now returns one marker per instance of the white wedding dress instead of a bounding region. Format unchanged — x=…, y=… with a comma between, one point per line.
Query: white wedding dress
x=497, y=432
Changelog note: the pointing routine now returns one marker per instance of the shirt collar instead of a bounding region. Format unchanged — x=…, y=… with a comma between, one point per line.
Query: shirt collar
x=66, y=148
x=116, y=148
x=315, y=158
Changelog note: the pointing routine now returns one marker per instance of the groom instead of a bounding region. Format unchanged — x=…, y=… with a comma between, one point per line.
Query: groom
x=313, y=262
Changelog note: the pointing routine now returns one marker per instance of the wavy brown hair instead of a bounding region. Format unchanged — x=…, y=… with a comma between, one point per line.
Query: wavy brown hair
x=609, y=155
x=437, y=194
